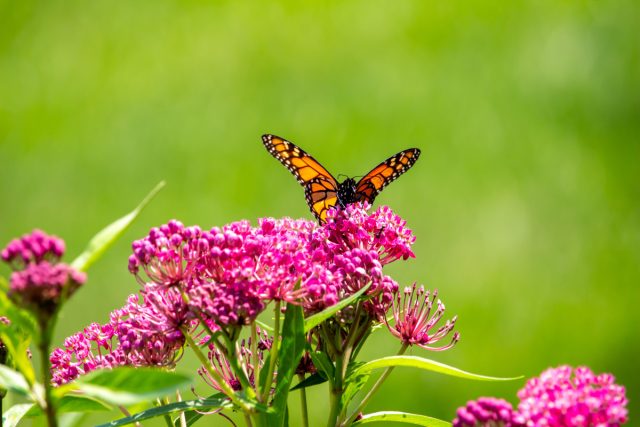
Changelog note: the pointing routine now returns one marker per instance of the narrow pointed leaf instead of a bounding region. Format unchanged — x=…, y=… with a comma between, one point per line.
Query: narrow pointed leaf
x=401, y=417
x=192, y=416
x=171, y=408
x=323, y=364
x=427, y=365
x=264, y=326
x=125, y=386
x=313, y=321
x=105, y=237
x=12, y=417
x=310, y=381
x=354, y=382
x=290, y=353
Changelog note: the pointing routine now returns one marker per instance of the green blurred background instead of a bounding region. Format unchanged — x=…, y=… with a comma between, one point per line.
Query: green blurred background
x=525, y=202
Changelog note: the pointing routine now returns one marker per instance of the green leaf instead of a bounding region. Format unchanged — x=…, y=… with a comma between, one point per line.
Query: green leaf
x=427, y=365
x=105, y=237
x=74, y=403
x=290, y=353
x=354, y=382
x=18, y=335
x=264, y=326
x=12, y=417
x=72, y=419
x=192, y=416
x=310, y=381
x=125, y=386
x=313, y=321
x=323, y=364
x=171, y=408
x=13, y=381
x=265, y=372
x=401, y=417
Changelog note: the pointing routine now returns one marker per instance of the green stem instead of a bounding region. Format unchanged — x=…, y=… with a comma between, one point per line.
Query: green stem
x=167, y=418
x=3, y=392
x=46, y=328
x=255, y=357
x=303, y=403
x=226, y=388
x=273, y=353
x=183, y=418
x=247, y=419
x=336, y=392
x=375, y=388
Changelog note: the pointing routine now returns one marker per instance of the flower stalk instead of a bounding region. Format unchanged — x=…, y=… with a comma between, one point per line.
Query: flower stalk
x=273, y=353
x=44, y=347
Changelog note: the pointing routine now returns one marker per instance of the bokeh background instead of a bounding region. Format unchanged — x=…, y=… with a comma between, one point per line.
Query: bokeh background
x=525, y=202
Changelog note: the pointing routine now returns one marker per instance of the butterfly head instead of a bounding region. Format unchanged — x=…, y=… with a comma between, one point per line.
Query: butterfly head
x=347, y=192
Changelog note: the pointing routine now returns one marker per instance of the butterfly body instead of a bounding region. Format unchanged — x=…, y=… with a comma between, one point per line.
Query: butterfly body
x=347, y=193
x=322, y=190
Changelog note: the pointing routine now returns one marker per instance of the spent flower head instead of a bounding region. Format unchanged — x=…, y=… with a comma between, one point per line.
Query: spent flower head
x=416, y=323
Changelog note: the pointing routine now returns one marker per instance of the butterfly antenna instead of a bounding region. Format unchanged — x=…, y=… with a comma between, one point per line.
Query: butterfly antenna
x=341, y=175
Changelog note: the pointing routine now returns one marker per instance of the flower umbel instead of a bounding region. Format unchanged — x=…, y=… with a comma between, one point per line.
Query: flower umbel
x=39, y=282
x=562, y=397
x=565, y=396
x=138, y=334
x=485, y=412
x=413, y=319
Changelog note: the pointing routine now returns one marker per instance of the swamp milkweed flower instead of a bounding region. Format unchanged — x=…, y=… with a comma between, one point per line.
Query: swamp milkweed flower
x=40, y=282
x=565, y=396
x=413, y=320
x=221, y=279
x=559, y=397
x=485, y=412
x=138, y=334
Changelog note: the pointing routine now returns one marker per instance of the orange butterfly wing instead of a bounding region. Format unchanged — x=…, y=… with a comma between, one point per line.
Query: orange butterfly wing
x=386, y=172
x=321, y=194
x=320, y=186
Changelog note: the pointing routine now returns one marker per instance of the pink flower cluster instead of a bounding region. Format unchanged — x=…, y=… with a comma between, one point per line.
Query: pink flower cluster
x=39, y=281
x=559, y=397
x=486, y=412
x=570, y=397
x=225, y=277
x=139, y=334
x=230, y=274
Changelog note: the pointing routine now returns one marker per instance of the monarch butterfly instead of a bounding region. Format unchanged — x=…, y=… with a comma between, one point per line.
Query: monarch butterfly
x=322, y=190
